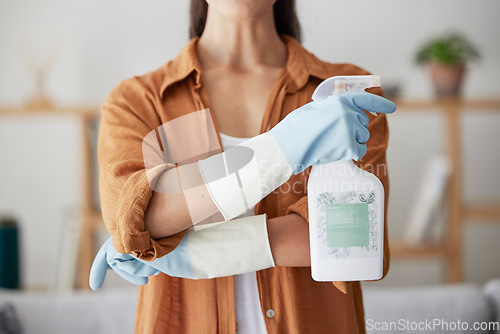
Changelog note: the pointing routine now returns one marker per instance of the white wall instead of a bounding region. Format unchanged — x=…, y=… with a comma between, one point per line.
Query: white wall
x=383, y=36
x=102, y=42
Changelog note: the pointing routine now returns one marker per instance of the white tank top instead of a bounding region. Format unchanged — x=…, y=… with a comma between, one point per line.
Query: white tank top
x=249, y=316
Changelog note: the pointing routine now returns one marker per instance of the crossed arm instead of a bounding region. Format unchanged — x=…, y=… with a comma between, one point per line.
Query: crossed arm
x=288, y=235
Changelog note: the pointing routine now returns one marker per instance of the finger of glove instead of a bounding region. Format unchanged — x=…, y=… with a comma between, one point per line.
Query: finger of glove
x=355, y=124
x=355, y=152
x=137, y=280
x=372, y=102
x=133, y=267
x=362, y=149
x=362, y=134
x=362, y=117
x=347, y=150
x=124, y=265
x=99, y=268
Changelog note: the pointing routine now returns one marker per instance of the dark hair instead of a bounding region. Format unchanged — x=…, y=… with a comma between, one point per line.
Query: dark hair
x=285, y=18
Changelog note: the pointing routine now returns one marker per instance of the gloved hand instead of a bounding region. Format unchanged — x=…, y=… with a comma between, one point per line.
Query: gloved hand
x=236, y=247
x=125, y=265
x=328, y=130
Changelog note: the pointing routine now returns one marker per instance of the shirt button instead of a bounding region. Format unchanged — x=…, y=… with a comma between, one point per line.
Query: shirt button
x=270, y=313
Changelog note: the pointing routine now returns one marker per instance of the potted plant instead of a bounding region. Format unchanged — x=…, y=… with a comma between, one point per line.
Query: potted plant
x=446, y=57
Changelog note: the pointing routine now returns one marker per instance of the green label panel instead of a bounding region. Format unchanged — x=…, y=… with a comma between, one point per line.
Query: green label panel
x=347, y=225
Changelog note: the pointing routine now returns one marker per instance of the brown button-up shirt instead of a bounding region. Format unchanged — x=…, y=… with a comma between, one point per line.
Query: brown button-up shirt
x=174, y=305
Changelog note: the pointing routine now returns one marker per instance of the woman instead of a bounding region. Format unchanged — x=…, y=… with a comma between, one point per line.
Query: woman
x=245, y=65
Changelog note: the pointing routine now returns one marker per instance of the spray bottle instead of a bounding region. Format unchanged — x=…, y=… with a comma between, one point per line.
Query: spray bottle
x=346, y=208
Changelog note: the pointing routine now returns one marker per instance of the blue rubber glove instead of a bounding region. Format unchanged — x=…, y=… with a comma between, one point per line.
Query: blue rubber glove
x=126, y=266
x=328, y=130
x=236, y=247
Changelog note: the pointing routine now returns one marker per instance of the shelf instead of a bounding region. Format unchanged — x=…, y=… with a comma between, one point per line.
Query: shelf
x=458, y=212
x=491, y=104
x=399, y=249
x=482, y=213
x=60, y=110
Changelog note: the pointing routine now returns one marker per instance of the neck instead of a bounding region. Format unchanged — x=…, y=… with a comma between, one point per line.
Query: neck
x=240, y=43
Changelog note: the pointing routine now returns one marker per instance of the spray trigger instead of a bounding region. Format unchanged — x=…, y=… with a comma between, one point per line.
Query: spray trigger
x=344, y=84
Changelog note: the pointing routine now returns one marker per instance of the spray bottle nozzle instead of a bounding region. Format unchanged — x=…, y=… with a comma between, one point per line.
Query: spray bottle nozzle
x=344, y=84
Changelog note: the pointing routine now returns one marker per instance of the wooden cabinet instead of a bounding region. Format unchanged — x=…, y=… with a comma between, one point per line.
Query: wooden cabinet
x=90, y=218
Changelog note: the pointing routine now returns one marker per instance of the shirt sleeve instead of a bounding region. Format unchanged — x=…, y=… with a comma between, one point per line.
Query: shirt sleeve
x=127, y=116
x=374, y=161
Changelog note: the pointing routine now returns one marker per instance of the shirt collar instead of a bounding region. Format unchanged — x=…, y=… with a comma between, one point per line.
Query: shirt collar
x=300, y=65
x=182, y=66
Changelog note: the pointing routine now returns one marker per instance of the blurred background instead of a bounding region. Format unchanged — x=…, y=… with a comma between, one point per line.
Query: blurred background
x=59, y=60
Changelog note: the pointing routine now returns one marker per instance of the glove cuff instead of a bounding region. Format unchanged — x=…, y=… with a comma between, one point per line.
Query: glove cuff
x=243, y=175
x=236, y=247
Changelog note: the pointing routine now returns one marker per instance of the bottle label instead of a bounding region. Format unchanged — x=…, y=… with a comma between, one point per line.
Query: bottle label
x=347, y=225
